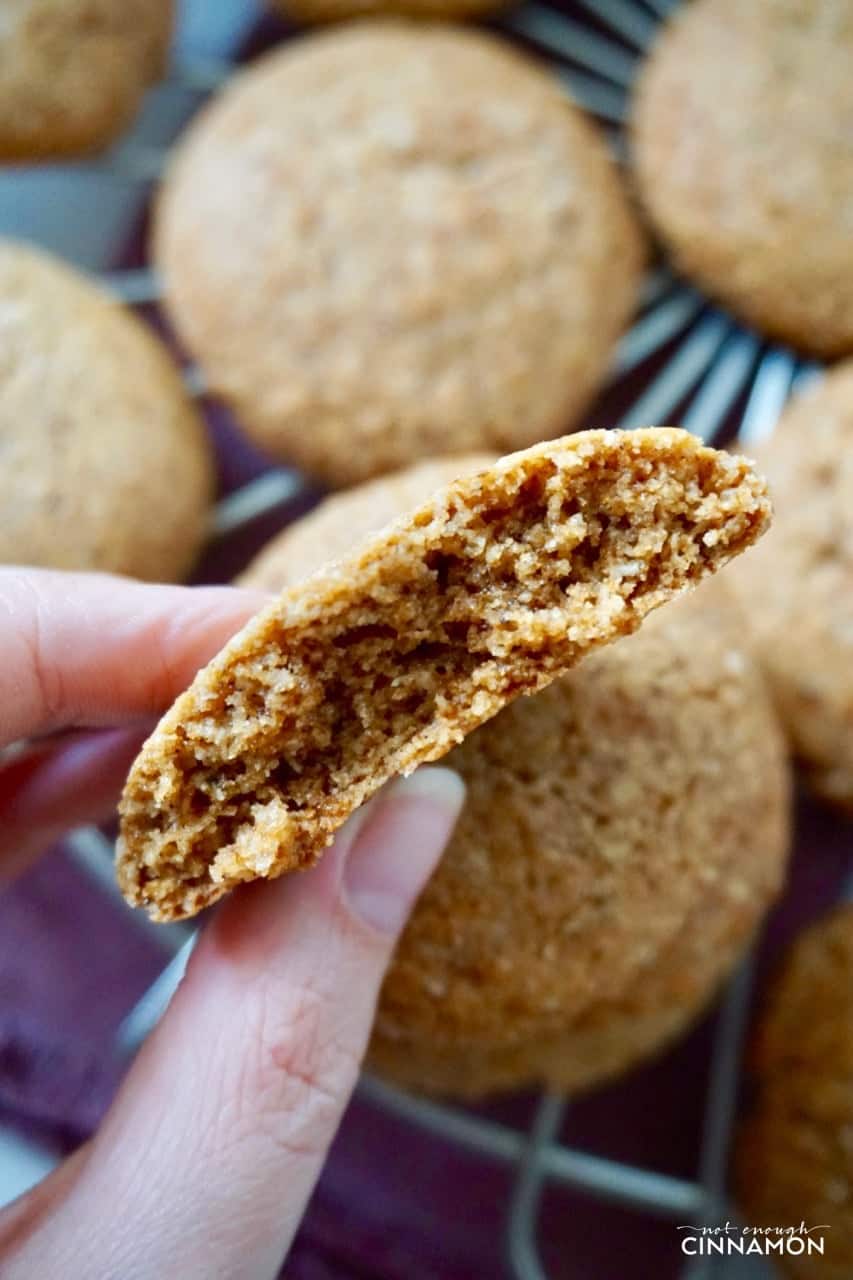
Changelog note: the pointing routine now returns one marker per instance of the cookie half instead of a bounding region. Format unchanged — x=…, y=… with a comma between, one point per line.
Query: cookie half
x=389, y=657
x=393, y=241
x=741, y=126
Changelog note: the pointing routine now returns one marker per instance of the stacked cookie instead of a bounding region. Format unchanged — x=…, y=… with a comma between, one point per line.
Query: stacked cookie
x=623, y=834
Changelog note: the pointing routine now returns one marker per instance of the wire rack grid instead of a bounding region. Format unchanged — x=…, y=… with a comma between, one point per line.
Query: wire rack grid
x=699, y=363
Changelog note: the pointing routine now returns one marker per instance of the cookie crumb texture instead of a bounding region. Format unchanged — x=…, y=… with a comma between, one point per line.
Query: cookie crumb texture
x=794, y=1156
x=741, y=128
x=104, y=461
x=73, y=72
x=391, y=241
x=388, y=658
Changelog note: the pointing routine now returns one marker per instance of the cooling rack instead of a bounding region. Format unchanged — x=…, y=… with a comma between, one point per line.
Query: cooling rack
x=684, y=360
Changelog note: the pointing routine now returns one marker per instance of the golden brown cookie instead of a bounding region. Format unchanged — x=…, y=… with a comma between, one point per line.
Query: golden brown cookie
x=73, y=72
x=338, y=10
x=390, y=656
x=583, y=916
x=741, y=136
x=797, y=590
x=390, y=241
x=104, y=462
x=795, y=1154
x=334, y=527
x=597, y=887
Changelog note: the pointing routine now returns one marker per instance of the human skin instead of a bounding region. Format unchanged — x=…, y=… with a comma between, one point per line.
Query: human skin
x=222, y=1125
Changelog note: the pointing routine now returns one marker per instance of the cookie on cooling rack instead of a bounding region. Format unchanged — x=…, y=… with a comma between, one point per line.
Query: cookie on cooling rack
x=794, y=1160
x=741, y=136
x=73, y=72
x=389, y=657
x=623, y=833
x=391, y=241
x=337, y=10
x=797, y=589
x=337, y=524
x=105, y=462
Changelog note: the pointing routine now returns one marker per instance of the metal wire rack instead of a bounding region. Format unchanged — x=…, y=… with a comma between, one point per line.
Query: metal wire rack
x=700, y=366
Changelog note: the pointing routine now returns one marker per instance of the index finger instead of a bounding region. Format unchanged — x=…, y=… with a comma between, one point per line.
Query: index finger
x=79, y=649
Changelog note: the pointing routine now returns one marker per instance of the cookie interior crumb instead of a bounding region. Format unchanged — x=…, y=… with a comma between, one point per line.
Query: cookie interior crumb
x=387, y=659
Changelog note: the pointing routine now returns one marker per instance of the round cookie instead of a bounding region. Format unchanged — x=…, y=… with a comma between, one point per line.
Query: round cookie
x=73, y=72
x=391, y=241
x=338, y=10
x=597, y=886
x=794, y=1156
x=741, y=136
x=659, y=1002
x=797, y=588
x=104, y=462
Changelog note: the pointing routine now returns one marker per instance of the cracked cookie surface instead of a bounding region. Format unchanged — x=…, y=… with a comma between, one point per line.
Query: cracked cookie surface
x=391, y=241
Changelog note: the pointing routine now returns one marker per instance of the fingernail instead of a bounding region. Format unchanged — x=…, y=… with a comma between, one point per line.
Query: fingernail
x=399, y=843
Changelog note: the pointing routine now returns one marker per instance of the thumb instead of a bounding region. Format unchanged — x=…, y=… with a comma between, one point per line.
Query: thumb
x=215, y=1142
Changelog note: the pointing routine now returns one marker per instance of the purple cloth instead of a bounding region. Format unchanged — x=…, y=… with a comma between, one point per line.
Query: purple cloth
x=394, y=1203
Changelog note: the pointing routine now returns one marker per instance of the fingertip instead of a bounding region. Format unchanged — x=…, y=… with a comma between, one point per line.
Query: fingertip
x=85, y=649
x=398, y=845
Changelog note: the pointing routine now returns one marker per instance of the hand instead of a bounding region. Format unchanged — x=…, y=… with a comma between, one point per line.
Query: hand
x=205, y=1162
